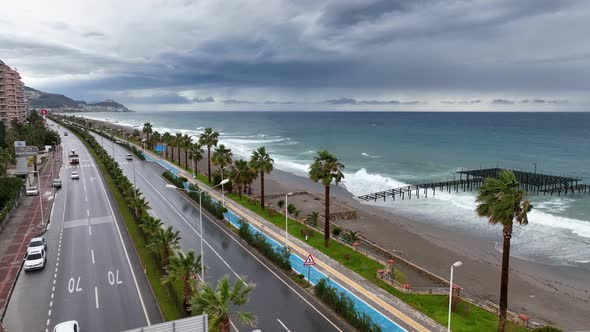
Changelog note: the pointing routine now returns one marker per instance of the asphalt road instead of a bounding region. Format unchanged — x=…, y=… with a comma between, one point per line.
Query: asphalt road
x=277, y=302
x=89, y=275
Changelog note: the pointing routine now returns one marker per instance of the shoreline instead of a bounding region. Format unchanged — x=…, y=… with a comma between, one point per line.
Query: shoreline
x=559, y=295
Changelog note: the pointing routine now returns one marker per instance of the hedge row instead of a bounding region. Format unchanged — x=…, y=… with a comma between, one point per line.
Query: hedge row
x=278, y=256
x=10, y=189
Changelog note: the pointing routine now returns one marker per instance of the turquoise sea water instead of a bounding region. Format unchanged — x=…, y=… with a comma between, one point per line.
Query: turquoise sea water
x=383, y=150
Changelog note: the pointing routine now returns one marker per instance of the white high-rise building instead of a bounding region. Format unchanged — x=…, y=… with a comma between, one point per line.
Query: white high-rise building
x=12, y=98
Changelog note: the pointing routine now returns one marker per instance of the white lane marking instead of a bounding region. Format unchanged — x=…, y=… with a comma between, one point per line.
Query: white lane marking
x=245, y=249
x=103, y=186
x=92, y=252
x=53, y=289
x=88, y=212
x=49, y=312
x=50, y=304
x=283, y=324
x=96, y=296
x=234, y=326
x=48, y=320
x=90, y=230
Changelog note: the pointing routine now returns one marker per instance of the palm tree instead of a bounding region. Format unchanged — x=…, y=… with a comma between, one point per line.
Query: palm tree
x=5, y=158
x=313, y=218
x=178, y=142
x=138, y=204
x=163, y=241
x=150, y=225
x=147, y=130
x=503, y=202
x=185, y=268
x=262, y=163
x=195, y=153
x=167, y=138
x=209, y=138
x=222, y=157
x=186, y=145
x=326, y=168
x=218, y=303
x=238, y=174
x=156, y=137
x=351, y=236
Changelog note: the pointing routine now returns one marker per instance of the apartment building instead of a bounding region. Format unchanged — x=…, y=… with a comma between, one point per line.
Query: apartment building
x=12, y=98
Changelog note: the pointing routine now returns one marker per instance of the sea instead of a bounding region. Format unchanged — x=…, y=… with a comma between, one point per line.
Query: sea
x=382, y=150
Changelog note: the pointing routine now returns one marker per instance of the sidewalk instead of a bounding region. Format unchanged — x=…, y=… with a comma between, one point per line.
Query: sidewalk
x=393, y=308
x=24, y=224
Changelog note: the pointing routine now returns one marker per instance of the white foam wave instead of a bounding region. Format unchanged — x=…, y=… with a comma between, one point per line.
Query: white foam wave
x=368, y=155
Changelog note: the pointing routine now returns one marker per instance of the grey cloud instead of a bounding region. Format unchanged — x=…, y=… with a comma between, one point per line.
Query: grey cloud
x=203, y=100
x=272, y=102
x=237, y=102
x=340, y=101
x=502, y=102
x=352, y=101
x=343, y=13
x=93, y=34
x=461, y=102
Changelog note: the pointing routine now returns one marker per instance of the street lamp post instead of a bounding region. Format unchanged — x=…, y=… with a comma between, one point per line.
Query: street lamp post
x=200, y=192
x=456, y=264
x=287, y=218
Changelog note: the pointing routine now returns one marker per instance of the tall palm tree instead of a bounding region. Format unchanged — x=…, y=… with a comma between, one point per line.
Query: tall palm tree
x=138, y=203
x=186, y=145
x=209, y=138
x=178, y=142
x=325, y=169
x=185, y=268
x=163, y=241
x=147, y=130
x=195, y=153
x=238, y=174
x=222, y=157
x=217, y=303
x=167, y=138
x=503, y=202
x=155, y=138
x=262, y=163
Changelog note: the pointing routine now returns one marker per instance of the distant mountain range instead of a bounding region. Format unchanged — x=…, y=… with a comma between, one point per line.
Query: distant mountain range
x=40, y=99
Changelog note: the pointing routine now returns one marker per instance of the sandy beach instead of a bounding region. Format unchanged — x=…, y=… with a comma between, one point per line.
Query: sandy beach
x=559, y=295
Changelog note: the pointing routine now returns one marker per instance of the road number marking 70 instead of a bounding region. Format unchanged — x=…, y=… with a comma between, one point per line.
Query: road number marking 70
x=114, y=277
x=74, y=286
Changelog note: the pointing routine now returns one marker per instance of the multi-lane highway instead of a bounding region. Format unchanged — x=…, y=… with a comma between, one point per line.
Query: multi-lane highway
x=276, y=300
x=92, y=273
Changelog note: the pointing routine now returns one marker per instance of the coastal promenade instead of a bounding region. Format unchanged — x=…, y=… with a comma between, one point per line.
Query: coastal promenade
x=391, y=307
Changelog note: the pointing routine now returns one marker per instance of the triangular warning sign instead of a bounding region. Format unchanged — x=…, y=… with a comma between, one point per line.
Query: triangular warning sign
x=309, y=261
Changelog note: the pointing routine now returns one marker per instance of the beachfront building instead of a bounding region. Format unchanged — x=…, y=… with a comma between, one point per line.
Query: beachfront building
x=12, y=99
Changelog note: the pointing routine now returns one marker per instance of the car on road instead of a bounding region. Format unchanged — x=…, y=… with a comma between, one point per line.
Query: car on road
x=35, y=260
x=75, y=175
x=37, y=243
x=57, y=183
x=66, y=133
x=117, y=141
x=129, y=157
x=32, y=191
x=69, y=326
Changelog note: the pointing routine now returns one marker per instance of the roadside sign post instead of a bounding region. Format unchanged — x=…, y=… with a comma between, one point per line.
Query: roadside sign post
x=309, y=262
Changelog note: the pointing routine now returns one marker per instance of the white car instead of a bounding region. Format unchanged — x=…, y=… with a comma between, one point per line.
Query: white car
x=36, y=244
x=32, y=191
x=69, y=326
x=129, y=157
x=35, y=260
x=75, y=175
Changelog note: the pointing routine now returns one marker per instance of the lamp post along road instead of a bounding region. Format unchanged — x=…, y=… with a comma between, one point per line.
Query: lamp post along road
x=200, y=192
x=456, y=264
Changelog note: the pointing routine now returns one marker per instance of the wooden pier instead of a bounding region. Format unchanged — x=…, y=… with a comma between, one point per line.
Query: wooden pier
x=532, y=182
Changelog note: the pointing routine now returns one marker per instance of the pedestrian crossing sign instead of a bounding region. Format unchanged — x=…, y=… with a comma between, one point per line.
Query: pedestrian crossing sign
x=309, y=261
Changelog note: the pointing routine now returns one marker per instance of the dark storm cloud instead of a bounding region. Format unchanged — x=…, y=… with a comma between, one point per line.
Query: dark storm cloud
x=444, y=48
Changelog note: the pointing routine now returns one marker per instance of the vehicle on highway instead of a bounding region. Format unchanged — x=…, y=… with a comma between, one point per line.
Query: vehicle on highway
x=66, y=133
x=37, y=243
x=129, y=157
x=35, y=260
x=69, y=326
x=74, y=160
x=75, y=175
x=56, y=183
x=32, y=191
x=117, y=141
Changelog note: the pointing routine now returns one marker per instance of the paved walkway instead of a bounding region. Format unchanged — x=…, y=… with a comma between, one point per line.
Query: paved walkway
x=24, y=224
x=392, y=307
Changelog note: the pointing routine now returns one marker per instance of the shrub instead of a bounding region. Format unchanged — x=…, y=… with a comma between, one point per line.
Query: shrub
x=350, y=236
x=336, y=231
x=307, y=232
x=346, y=256
x=281, y=203
x=278, y=256
x=344, y=306
x=291, y=208
x=209, y=204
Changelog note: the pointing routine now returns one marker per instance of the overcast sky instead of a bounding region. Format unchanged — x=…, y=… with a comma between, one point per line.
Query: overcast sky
x=305, y=54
